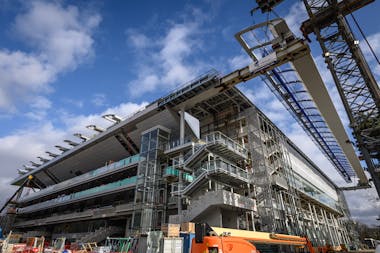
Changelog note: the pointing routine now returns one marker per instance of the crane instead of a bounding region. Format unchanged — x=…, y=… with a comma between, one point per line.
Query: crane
x=353, y=78
x=285, y=48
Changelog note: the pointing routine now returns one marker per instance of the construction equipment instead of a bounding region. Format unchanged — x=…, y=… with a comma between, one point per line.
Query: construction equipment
x=58, y=246
x=215, y=239
x=122, y=245
x=354, y=80
x=12, y=243
x=27, y=183
x=34, y=245
x=318, y=107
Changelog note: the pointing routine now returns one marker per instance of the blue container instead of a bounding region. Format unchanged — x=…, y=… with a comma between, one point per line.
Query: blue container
x=187, y=239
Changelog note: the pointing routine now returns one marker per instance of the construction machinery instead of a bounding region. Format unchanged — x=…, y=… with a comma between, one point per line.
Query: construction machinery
x=12, y=243
x=58, y=246
x=215, y=239
x=34, y=245
x=357, y=87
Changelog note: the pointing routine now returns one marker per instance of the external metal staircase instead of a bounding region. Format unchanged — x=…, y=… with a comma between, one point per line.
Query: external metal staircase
x=215, y=198
x=101, y=234
x=223, y=170
x=217, y=143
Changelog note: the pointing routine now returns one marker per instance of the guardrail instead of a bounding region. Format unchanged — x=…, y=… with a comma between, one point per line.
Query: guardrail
x=83, y=178
x=219, y=137
x=79, y=195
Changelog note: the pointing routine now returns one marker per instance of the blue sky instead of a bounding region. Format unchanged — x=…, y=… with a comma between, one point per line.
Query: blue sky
x=63, y=64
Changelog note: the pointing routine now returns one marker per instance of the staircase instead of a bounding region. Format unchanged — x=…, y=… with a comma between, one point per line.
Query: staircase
x=216, y=198
x=100, y=234
x=195, y=155
x=219, y=143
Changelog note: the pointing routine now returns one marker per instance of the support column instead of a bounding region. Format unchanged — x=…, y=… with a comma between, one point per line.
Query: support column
x=338, y=241
x=315, y=236
x=182, y=126
x=319, y=235
x=328, y=226
x=181, y=161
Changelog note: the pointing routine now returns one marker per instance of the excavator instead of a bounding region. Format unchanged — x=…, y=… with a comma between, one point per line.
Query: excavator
x=226, y=240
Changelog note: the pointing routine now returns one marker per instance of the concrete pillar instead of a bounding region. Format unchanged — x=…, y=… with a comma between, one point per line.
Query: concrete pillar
x=181, y=141
x=182, y=126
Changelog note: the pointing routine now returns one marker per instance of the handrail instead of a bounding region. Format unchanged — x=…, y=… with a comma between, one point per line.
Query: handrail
x=211, y=167
x=82, y=178
x=78, y=195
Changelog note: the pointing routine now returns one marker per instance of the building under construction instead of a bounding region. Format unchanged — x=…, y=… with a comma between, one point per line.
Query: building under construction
x=184, y=157
x=205, y=153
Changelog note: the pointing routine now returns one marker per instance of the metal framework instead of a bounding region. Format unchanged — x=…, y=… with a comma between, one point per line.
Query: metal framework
x=307, y=100
x=353, y=78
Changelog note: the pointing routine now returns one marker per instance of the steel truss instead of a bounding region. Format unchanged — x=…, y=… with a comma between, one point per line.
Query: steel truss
x=354, y=80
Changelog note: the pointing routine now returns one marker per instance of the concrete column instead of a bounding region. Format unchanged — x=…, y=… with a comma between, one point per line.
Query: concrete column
x=253, y=221
x=182, y=126
x=181, y=141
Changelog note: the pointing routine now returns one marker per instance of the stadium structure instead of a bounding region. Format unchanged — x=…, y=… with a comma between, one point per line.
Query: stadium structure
x=193, y=155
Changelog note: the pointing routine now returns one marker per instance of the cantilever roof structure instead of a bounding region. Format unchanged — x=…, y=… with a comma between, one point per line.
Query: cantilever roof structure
x=105, y=146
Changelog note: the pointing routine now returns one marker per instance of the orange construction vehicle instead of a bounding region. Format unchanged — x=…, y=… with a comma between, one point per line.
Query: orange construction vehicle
x=215, y=240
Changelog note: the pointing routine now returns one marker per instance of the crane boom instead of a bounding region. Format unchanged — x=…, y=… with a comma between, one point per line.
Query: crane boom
x=286, y=49
x=311, y=79
x=354, y=80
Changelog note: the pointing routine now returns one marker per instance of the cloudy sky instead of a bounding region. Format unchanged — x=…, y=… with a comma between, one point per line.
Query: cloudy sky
x=63, y=64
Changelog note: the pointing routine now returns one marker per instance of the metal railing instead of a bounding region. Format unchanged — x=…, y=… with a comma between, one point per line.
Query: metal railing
x=83, y=178
x=208, y=168
x=219, y=137
x=79, y=195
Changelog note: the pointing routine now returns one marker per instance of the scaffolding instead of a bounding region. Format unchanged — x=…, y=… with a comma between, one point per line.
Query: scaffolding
x=149, y=208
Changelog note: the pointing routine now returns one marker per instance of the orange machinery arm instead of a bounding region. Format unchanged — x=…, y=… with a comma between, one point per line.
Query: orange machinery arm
x=240, y=238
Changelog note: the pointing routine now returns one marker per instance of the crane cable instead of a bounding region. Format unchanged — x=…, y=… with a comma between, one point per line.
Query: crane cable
x=365, y=38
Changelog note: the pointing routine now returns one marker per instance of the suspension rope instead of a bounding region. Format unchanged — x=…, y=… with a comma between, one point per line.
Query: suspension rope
x=365, y=38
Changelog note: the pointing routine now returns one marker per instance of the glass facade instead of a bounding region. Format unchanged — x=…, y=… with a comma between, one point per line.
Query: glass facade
x=312, y=191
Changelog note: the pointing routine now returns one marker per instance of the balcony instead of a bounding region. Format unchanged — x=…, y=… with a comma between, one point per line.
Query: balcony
x=82, y=195
x=224, y=145
x=96, y=213
x=219, y=169
x=87, y=177
x=173, y=173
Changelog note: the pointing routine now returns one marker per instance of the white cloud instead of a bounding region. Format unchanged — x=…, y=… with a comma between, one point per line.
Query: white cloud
x=239, y=61
x=20, y=74
x=363, y=205
x=296, y=15
x=99, y=99
x=137, y=39
x=25, y=145
x=374, y=41
x=60, y=38
x=166, y=62
x=78, y=123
